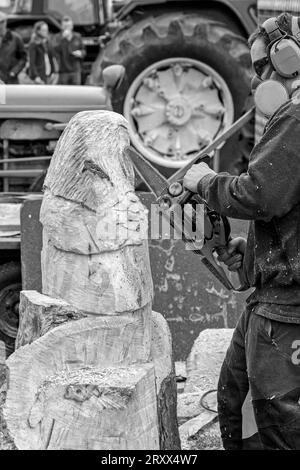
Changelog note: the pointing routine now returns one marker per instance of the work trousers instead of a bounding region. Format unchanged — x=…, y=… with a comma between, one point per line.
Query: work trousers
x=264, y=355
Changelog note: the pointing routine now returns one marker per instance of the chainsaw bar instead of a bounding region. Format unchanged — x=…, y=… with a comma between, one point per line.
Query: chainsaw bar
x=158, y=184
x=161, y=188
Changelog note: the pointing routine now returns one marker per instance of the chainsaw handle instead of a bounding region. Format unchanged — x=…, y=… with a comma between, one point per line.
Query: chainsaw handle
x=240, y=274
x=243, y=282
x=186, y=197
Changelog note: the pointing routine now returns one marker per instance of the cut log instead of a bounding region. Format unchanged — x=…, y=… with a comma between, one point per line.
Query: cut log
x=84, y=408
x=105, y=284
x=39, y=314
x=71, y=348
x=120, y=341
x=91, y=341
x=161, y=355
x=2, y=362
x=95, y=315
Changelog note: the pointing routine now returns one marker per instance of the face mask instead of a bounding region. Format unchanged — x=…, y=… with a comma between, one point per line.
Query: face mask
x=269, y=95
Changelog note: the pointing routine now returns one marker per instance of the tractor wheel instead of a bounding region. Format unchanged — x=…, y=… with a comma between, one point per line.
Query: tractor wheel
x=187, y=79
x=10, y=287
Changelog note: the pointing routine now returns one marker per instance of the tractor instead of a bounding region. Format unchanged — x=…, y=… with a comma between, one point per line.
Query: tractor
x=187, y=62
x=188, y=73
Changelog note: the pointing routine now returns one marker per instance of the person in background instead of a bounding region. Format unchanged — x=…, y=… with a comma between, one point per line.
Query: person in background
x=70, y=52
x=13, y=56
x=42, y=69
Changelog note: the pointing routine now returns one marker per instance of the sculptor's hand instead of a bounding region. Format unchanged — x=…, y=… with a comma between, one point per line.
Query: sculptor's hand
x=195, y=175
x=233, y=255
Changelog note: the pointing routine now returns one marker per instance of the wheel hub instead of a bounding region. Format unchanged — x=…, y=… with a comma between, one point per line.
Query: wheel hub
x=178, y=111
x=176, y=108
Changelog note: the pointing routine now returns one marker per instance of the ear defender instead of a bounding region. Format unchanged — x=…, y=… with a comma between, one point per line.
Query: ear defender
x=284, y=57
x=270, y=95
x=284, y=50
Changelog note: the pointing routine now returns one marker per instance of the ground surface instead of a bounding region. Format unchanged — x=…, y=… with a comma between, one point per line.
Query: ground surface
x=207, y=439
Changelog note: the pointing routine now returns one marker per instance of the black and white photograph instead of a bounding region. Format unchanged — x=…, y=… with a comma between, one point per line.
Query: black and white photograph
x=149, y=228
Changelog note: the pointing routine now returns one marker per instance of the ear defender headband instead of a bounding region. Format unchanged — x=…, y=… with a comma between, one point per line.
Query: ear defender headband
x=283, y=54
x=284, y=50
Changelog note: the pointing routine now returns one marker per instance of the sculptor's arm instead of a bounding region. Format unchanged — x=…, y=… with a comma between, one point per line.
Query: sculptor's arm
x=270, y=188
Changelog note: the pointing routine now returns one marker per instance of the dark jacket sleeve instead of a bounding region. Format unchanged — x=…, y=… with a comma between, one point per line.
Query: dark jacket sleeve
x=271, y=187
x=20, y=54
x=32, y=61
x=56, y=47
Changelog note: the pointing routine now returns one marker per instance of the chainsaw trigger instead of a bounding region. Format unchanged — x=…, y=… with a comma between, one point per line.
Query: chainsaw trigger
x=209, y=226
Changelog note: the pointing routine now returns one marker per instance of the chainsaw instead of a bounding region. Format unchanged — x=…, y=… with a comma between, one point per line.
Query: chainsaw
x=214, y=233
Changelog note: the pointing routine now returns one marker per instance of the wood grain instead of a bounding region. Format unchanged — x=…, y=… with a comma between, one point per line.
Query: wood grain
x=94, y=366
x=39, y=314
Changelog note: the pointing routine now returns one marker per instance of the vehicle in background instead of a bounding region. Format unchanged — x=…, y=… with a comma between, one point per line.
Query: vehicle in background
x=187, y=61
x=188, y=73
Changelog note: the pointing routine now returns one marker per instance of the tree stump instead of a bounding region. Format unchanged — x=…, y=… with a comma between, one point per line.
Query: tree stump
x=93, y=368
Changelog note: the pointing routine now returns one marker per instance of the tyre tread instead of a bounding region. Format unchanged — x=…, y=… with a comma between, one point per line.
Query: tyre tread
x=179, y=25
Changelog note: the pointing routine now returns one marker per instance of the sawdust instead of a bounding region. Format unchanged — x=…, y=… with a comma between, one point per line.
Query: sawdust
x=208, y=438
